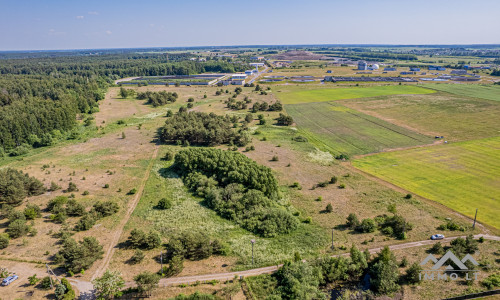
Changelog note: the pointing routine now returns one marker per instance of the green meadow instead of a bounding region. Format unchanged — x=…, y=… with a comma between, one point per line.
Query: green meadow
x=488, y=92
x=463, y=176
x=323, y=95
x=343, y=130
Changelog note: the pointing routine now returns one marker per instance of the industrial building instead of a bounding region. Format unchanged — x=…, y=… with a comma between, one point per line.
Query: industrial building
x=366, y=78
x=257, y=64
x=373, y=67
x=362, y=65
x=389, y=69
x=257, y=58
x=414, y=69
x=407, y=73
x=437, y=68
x=458, y=72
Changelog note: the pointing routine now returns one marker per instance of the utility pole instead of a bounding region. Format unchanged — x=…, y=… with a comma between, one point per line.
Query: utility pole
x=475, y=217
x=253, y=242
x=161, y=262
x=50, y=278
x=332, y=239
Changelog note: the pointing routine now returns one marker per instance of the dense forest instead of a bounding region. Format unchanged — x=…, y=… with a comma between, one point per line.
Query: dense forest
x=237, y=188
x=40, y=98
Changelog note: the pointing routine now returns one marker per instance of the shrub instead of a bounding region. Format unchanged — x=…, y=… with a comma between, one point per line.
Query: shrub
x=367, y=225
x=275, y=158
x=4, y=241
x=132, y=191
x=140, y=240
x=412, y=275
x=17, y=229
x=86, y=222
x=32, y=211
x=73, y=208
x=71, y=187
x=33, y=280
x=492, y=281
x=45, y=283
x=164, y=203
x=168, y=156
x=341, y=186
x=300, y=139
x=333, y=180
x=329, y=208
x=80, y=255
x=352, y=221
x=408, y=196
x=106, y=186
x=437, y=248
x=137, y=257
x=54, y=187
x=105, y=208
x=15, y=186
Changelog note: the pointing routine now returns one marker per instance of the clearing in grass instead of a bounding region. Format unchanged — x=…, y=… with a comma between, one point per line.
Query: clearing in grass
x=322, y=95
x=346, y=131
x=462, y=176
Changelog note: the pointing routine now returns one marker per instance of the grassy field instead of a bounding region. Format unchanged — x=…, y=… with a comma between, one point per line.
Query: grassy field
x=344, y=130
x=462, y=176
x=457, y=118
x=322, y=95
x=488, y=92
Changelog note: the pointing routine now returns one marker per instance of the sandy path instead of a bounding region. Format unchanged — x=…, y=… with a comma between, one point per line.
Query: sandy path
x=116, y=236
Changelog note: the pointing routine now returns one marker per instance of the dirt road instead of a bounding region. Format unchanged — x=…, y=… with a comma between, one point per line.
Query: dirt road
x=116, y=236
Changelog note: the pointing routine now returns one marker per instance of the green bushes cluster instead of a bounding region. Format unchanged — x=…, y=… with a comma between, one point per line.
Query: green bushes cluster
x=15, y=186
x=237, y=188
x=138, y=239
x=394, y=225
x=199, y=128
x=158, y=98
x=78, y=256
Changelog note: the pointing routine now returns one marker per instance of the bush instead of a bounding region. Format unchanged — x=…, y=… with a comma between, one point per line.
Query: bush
x=105, y=208
x=138, y=239
x=275, y=158
x=132, y=191
x=73, y=208
x=164, y=203
x=33, y=280
x=4, y=241
x=137, y=257
x=193, y=246
x=80, y=255
x=17, y=229
x=15, y=186
x=329, y=208
x=32, y=212
x=367, y=225
x=72, y=187
x=492, y=281
x=45, y=283
x=352, y=221
x=412, y=275
x=284, y=120
x=408, y=196
x=86, y=222
x=168, y=156
x=300, y=139
x=437, y=248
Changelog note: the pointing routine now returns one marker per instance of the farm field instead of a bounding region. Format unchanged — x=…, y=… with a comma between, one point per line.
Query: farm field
x=323, y=95
x=457, y=118
x=344, y=130
x=462, y=176
x=488, y=92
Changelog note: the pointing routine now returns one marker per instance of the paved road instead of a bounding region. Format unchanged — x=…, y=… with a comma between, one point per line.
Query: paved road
x=258, y=74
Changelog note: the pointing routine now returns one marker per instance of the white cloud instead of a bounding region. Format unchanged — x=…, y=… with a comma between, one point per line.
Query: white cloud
x=108, y=32
x=53, y=32
x=79, y=17
x=93, y=13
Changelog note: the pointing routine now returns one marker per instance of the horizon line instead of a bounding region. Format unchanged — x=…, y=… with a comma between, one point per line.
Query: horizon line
x=252, y=46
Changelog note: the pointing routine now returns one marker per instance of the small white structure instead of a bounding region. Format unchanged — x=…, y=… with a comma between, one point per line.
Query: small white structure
x=239, y=76
x=257, y=64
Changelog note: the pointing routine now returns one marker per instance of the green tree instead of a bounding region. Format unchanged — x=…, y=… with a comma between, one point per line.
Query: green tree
x=164, y=203
x=413, y=273
x=109, y=284
x=384, y=272
x=146, y=282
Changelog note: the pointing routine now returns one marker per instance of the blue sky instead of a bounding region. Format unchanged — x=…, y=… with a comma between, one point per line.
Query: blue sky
x=84, y=24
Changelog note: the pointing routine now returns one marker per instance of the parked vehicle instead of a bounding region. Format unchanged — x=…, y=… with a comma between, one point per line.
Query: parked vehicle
x=9, y=280
x=437, y=237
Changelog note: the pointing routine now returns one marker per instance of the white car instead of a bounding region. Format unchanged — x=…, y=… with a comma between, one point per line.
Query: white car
x=437, y=237
x=9, y=280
